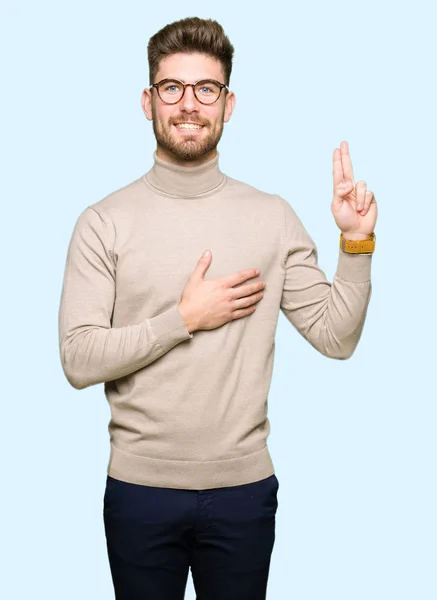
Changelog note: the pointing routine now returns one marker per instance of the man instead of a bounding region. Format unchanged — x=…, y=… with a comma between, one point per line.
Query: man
x=184, y=341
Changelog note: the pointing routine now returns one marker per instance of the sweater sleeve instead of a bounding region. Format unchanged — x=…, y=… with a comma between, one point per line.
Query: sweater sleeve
x=329, y=315
x=91, y=350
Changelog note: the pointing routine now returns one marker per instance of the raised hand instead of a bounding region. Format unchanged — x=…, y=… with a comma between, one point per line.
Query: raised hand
x=353, y=206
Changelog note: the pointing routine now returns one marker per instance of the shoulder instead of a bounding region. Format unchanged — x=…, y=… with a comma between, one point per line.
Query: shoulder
x=243, y=191
x=259, y=199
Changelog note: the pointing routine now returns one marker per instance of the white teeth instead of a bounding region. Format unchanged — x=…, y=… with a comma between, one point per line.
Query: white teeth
x=188, y=126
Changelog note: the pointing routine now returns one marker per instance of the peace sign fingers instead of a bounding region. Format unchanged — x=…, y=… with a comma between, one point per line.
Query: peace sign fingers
x=353, y=205
x=348, y=173
x=342, y=168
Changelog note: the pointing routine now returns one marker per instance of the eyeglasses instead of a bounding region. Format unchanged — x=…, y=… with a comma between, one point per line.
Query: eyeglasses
x=206, y=91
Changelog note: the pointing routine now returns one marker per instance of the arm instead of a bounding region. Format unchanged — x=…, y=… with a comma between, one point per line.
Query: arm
x=91, y=350
x=329, y=315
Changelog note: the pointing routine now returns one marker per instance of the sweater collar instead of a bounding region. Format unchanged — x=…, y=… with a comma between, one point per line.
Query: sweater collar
x=178, y=180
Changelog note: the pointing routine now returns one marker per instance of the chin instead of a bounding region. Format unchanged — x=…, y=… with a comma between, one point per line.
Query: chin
x=190, y=149
x=189, y=153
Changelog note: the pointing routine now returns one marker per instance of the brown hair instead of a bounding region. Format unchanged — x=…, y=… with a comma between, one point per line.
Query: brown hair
x=190, y=35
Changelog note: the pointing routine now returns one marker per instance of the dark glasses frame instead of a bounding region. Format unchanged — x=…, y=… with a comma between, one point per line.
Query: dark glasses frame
x=185, y=85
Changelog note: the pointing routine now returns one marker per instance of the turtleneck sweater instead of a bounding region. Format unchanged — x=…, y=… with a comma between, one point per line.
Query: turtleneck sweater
x=189, y=410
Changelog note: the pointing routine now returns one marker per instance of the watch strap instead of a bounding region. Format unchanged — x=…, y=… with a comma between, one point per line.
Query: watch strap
x=366, y=246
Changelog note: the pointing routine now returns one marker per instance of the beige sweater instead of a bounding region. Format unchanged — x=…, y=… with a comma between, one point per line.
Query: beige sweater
x=190, y=410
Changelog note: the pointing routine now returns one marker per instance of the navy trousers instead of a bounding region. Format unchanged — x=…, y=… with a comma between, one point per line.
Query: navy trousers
x=155, y=535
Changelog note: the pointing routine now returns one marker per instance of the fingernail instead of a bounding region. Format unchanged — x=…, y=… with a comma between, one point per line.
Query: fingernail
x=206, y=253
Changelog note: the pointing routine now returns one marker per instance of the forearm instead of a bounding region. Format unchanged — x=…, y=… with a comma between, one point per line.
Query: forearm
x=96, y=354
x=335, y=328
x=330, y=316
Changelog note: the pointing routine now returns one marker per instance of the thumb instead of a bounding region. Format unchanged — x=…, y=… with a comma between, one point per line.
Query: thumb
x=203, y=264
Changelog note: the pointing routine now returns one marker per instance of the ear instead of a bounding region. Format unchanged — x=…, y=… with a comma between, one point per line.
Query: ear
x=229, y=106
x=146, y=103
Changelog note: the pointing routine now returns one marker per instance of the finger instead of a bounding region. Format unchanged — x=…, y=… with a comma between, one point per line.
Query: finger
x=245, y=301
x=367, y=202
x=239, y=277
x=341, y=187
x=246, y=290
x=361, y=188
x=346, y=162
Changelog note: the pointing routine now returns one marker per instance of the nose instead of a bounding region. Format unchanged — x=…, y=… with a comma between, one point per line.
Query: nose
x=189, y=102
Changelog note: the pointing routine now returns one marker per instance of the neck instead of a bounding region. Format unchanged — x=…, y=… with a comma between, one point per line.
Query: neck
x=184, y=180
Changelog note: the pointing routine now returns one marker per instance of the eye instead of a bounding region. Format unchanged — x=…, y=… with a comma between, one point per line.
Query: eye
x=208, y=88
x=170, y=86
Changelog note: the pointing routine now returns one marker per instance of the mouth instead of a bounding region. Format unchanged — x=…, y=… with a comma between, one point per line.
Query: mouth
x=187, y=126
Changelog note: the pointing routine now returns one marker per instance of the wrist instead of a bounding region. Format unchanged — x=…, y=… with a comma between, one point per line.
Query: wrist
x=187, y=319
x=355, y=236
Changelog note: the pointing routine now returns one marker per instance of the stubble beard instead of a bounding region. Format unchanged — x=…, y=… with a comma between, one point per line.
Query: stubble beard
x=192, y=146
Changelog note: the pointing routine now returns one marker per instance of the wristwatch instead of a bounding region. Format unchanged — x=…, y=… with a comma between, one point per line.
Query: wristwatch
x=366, y=246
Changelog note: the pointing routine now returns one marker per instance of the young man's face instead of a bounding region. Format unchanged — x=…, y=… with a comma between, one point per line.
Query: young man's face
x=194, y=146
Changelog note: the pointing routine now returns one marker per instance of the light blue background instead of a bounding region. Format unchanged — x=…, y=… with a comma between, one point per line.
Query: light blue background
x=353, y=442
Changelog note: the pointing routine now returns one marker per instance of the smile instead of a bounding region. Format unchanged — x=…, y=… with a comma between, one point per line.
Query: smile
x=190, y=126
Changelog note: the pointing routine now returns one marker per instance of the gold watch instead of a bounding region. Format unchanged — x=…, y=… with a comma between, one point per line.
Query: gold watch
x=366, y=246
